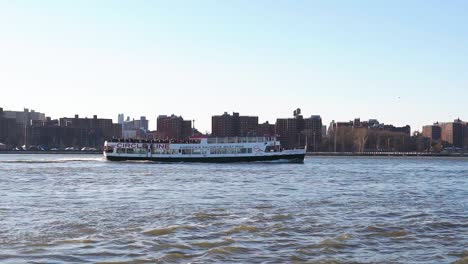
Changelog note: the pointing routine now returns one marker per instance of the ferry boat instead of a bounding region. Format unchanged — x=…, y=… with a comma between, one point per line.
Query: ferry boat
x=218, y=150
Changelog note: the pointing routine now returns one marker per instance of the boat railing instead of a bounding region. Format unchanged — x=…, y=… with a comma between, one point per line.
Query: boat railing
x=157, y=141
x=217, y=140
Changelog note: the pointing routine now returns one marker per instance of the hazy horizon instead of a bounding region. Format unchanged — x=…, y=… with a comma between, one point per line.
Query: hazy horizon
x=399, y=62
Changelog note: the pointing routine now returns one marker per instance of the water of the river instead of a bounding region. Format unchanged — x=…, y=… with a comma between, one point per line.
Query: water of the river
x=82, y=209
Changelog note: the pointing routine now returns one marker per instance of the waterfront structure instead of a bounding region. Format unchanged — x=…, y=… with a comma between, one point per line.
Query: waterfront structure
x=173, y=127
x=221, y=150
x=234, y=125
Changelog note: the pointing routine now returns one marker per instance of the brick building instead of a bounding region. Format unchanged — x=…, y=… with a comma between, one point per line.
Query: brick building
x=234, y=125
x=24, y=117
x=406, y=130
x=289, y=130
x=465, y=138
x=173, y=127
x=10, y=131
x=371, y=135
x=90, y=132
x=52, y=135
x=433, y=132
x=266, y=129
x=453, y=133
x=313, y=132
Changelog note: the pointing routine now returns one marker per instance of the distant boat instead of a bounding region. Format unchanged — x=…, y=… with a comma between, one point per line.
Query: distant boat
x=216, y=150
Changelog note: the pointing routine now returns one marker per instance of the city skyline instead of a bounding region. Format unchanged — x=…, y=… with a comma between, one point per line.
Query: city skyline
x=143, y=121
x=32, y=130
x=399, y=62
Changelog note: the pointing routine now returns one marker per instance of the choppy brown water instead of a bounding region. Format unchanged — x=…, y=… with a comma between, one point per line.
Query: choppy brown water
x=82, y=209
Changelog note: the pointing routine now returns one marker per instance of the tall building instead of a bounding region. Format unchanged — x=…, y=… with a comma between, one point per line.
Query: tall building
x=24, y=117
x=289, y=130
x=138, y=124
x=404, y=129
x=266, y=129
x=173, y=127
x=121, y=119
x=248, y=126
x=225, y=125
x=92, y=132
x=135, y=129
x=452, y=133
x=371, y=135
x=313, y=132
x=234, y=125
x=18, y=123
x=465, y=138
x=49, y=134
x=10, y=131
x=432, y=132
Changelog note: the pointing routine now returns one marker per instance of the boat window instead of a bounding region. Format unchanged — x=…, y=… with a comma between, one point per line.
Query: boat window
x=219, y=150
x=120, y=150
x=142, y=151
x=196, y=151
x=186, y=151
x=246, y=150
x=130, y=151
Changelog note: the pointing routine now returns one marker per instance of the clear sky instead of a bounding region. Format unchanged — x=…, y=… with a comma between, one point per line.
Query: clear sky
x=402, y=62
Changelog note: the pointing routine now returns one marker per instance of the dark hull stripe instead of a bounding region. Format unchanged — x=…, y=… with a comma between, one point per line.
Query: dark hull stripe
x=293, y=158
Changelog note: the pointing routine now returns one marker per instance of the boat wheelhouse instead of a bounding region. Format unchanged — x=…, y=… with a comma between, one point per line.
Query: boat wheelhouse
x=227, y=149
